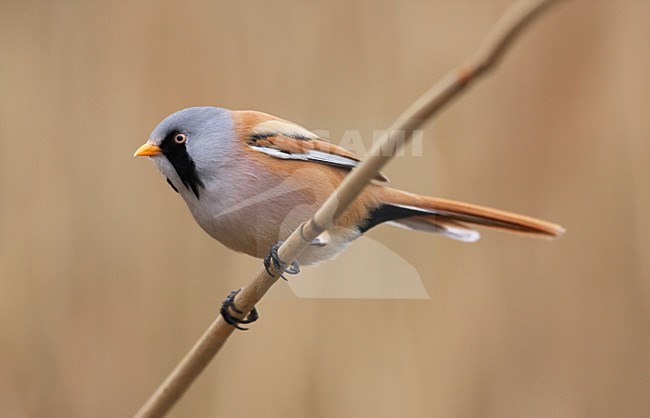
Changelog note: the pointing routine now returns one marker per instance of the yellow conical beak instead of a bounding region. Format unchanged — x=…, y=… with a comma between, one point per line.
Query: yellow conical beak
x=147, y=150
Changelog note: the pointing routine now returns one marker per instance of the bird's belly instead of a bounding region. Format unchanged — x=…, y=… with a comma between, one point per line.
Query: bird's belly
x=258, y=236
x=252, y=226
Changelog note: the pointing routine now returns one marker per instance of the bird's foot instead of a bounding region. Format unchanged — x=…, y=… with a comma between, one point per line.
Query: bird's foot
x=229, y=304
x=278, y=264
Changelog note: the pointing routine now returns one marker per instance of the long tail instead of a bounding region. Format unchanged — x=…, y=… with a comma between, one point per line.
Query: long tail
x=451, y=218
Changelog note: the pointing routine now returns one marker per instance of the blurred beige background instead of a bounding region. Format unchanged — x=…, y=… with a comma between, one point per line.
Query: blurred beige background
x=106, y=281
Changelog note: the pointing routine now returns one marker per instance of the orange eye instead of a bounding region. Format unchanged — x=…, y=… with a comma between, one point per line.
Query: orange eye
x=180, y=138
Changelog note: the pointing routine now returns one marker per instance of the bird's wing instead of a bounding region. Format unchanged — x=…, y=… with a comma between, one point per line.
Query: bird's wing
x=285, y=140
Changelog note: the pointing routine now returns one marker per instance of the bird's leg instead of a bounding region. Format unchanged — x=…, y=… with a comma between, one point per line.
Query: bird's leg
x=229, y=304
x=279, y=265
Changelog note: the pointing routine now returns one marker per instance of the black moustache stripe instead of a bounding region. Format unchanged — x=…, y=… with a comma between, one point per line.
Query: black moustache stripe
x=182, y=162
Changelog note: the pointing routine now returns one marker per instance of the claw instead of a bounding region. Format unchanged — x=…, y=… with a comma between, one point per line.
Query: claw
x=229, y=304
x=278, y=264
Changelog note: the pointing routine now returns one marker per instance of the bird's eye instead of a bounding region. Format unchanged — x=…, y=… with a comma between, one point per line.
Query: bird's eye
x=180, y=138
